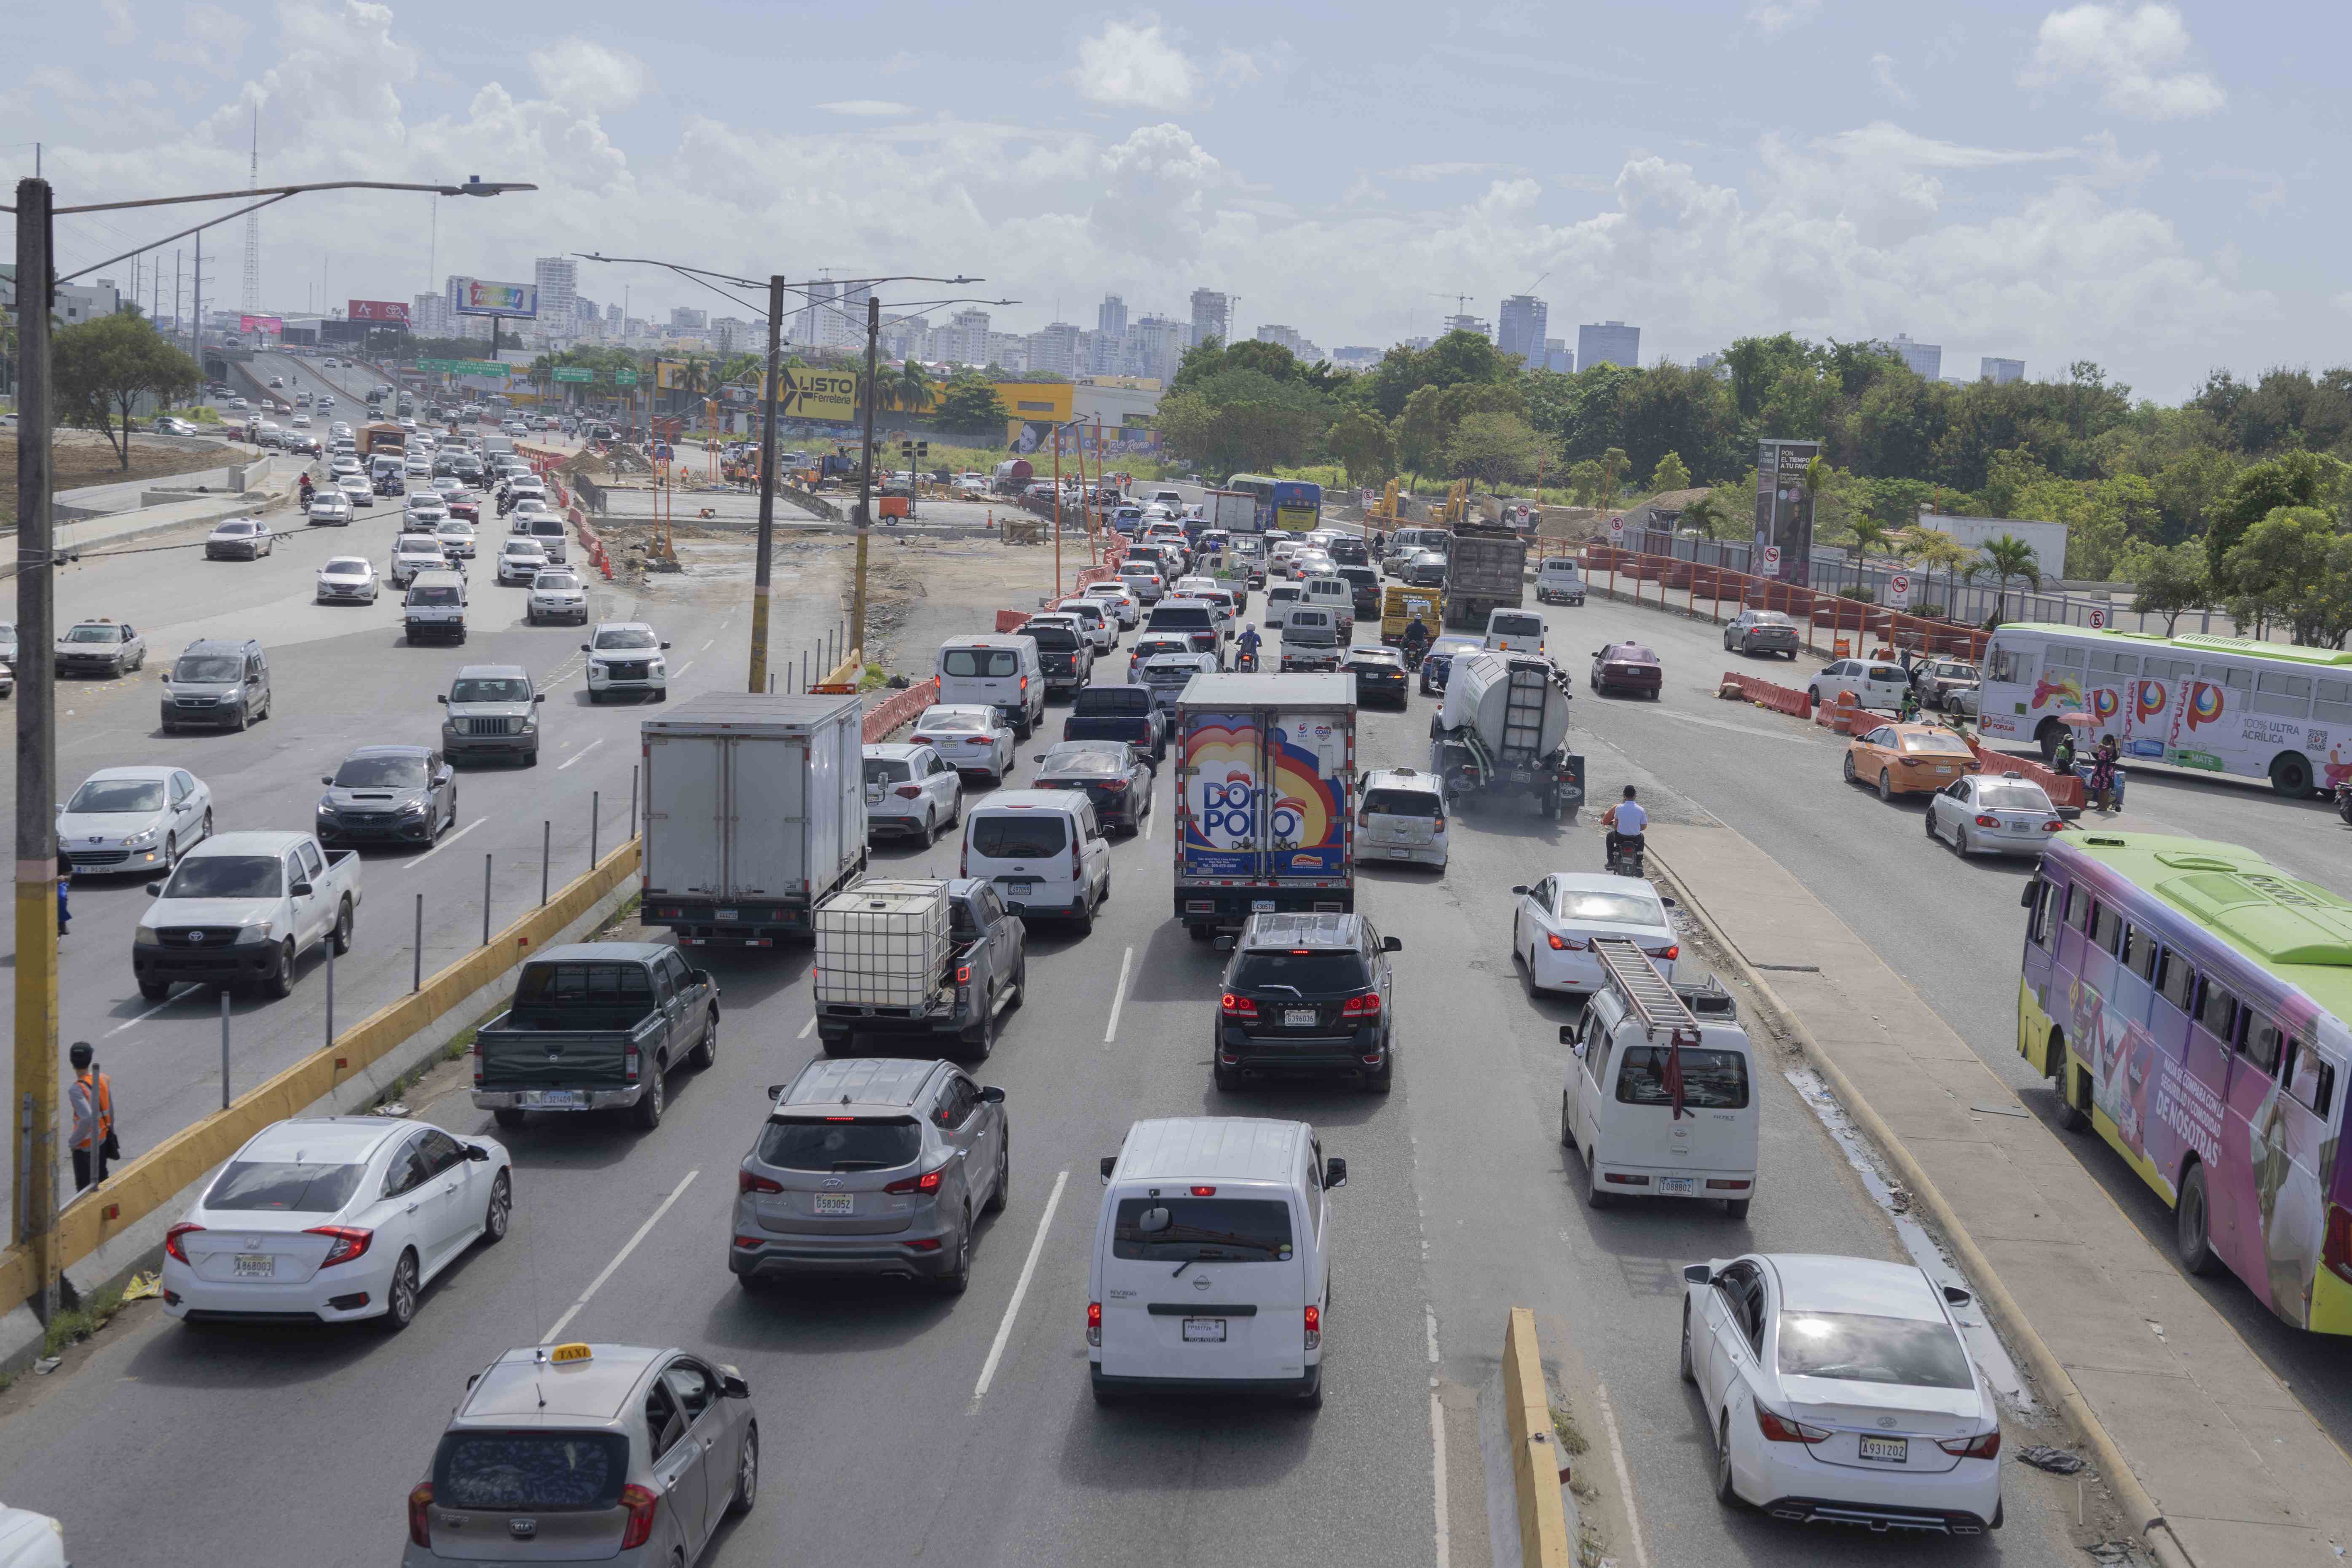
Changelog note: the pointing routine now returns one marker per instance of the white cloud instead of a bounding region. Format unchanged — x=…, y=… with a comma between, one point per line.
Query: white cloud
x=2128, y=55
x=1235, y=67
x=870, y=108
x=212, y=39
x=120, y=29
x=1882, y=68
x=1778, y=16
x=1131, y=65
x=588, y=76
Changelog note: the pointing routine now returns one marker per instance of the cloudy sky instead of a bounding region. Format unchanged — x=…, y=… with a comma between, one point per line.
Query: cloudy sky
x=2155, y=188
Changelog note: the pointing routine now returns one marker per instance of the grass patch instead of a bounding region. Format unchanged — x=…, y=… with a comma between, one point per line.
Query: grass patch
x=874, y=679
x=74, y=1324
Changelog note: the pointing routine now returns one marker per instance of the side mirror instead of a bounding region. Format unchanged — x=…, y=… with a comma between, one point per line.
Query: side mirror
x=538, y=696
x=1697, y=1274
x=1038, y=758
x=301, y=889
x=1335, y=1173
x=990, y=1095
x=474, y=1151
x=1519, y=888
x=1667, y=901
x=583, y=647
x=731, y=1384
x=1568, y=1033
x=1957, y=1297
x=1392, y=944
x=1109, y=1163
x=327, y=779
x=155, y=889
x=665, y=645
x=776, y=1090
x=444, y=697
x=1224, y=944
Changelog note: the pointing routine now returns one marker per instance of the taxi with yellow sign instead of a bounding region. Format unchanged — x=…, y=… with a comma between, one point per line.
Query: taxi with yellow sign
x=1907, y=759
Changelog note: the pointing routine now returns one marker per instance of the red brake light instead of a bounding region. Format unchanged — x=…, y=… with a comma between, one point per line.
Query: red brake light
x=964, y=973
x=1560, y=943
x=1093, y=1323
x=640, y=1504
x=2053, y=826
x=926, y=1184
x=909, y=792
x=171, y=1236
x=1234, y=1007
x=746, y=1182
x=1437, y=825
x=1365, y=1007
x=347, y=1243
x=1203, y=1191
x=420, y=1514
x=1983, y=1445
x=1988, y=822
x=1777, y=1430
x=1314, y=1328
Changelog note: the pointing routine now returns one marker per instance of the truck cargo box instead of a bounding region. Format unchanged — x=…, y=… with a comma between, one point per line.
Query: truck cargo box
x=1265, y=791
x=883, y=944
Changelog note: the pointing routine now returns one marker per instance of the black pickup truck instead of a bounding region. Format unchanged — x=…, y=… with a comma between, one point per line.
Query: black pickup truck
x=597, y=1027
x=1064, y=651
x=985, y=975
x=1129, y=714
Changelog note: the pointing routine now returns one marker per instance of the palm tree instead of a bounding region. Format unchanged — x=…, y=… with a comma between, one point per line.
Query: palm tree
x=1707, y=515
x=2006, y=557
x=916, y=389
x=1928, y=548
x=1868, y=531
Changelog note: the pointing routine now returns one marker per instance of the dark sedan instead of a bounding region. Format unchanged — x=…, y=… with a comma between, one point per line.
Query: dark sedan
x=388, y=795
x=1115, y=778
x=1426, y=570
x=1380, y=674
x=1627, y=667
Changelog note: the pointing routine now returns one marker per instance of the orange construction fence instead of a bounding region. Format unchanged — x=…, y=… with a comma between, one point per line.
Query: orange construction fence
x=2065, y=789
x=1765, y=694
x=1719, y=586
x=885, y=716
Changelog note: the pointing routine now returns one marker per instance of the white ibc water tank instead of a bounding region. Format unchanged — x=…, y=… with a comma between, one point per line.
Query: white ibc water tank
x=1479, y=693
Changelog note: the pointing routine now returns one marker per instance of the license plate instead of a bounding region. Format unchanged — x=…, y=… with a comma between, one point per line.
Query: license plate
x=1298, y=1017
x=1683, y=1184
x=1398, y=854
x=1020, y=886
x=558, y=1098
x=836, y=1202
x=1891, y=1451
x=263, y=1266
x=1205, y=1330
x=1261, y=906
x=726, y=915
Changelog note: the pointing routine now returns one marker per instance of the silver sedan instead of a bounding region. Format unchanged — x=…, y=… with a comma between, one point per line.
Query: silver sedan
x=2003, y=814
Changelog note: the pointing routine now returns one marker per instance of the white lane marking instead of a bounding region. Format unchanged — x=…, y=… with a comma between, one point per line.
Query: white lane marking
x=680, y=671
x=1437, y=1467
x=1119, y=997
x=452, y=838
x=1152, y=817
x=1624, y=1477
x=1429, y=1319
x=806, y=1030
x=706, y=646
x=580, y=753
x=1020, y=1290
x=144, y=1016
x=618, y=1259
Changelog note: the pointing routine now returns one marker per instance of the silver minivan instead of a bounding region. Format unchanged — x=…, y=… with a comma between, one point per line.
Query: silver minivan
x=1043, y=849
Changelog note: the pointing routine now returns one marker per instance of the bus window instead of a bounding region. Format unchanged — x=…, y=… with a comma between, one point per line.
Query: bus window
x=2333, y=701
x=2237, y=677
x=2039, y=923
x=2310, y=1077
x=2006, y=666
x=2140, y=953
x=2078, y=907
x=2170, y=669
x=2107, y=930
x=2264, y=1041
x=2177, y=981
x=2283, y=696
x=2118, y=663
x=2217, y=1014
x=2059, y=657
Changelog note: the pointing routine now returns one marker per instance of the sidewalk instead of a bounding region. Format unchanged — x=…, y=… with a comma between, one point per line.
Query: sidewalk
x=2240, y=1472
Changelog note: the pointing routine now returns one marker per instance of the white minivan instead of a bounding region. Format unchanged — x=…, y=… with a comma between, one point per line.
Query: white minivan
x=1000, y=671
x=1045, y=851
x=1337, y=596
x=1238, y=1205
x=1659, y=1098
x=1515, y=631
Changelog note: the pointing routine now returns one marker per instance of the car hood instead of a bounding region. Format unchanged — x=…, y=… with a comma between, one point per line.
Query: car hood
x=490, y=710
x=110, y=826
x=560, y=593
x=208, y=911
x=203, y=687
x=353, y=577
x=373, y=798
x=86, y=649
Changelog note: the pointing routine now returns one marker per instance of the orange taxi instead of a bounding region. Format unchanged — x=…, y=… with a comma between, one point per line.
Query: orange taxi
x=1907, y=759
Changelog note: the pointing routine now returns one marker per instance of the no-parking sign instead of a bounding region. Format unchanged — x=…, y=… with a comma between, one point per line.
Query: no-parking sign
x=1616, y=530
x=1771, y=561
x=2098, y=620
x=1898, y=589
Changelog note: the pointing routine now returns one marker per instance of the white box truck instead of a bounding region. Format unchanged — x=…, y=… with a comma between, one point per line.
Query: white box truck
x=1266, y=798
x=753, y=814
x=1235, y=511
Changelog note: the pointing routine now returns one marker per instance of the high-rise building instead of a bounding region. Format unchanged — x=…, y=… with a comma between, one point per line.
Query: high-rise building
x=1291, y=339
x=1055, y=348
x=1926, y=360
x=613, y=318
x=558, y=278
x=1211, y=317
x=686, y=319
x=1110, y=318
x=1468, y=324
x=1007, y=351
x=964, y=339
x=2000, y=372
x=1608, y=342
x=429, y=316
x=1523, y=319
x=1558, y=357
x=1156, y=345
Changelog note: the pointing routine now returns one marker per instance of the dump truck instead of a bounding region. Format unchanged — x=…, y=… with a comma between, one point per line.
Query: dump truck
x=1487, y=571
x=1266, y=798
x=1502, y=729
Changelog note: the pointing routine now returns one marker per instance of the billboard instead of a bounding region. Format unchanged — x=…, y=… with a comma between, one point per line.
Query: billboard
x=805, y=392
x=475, y=297
x=378, y=311
x=260, y=324
x=1784, y=513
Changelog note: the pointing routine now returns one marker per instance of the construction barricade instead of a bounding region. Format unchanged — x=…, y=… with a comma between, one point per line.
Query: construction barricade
x=1765, y=694
x=900, y=708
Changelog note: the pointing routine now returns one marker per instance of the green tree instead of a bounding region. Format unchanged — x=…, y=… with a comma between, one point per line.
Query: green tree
x=1669, y=474
x=1932, y=551
x=916, y=388
x=2005, y=558
x=2290, y=479
x=1584, y=480
x=1712, y=518
x=1365, y=446
x=1612, y=468
x=2279, y=573
x=2171, y=581
x=1497, y=448
x=103, y=367
x=971, y=403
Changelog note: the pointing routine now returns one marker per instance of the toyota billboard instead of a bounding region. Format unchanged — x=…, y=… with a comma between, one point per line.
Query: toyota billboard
x=379, y=310
x=478, y=296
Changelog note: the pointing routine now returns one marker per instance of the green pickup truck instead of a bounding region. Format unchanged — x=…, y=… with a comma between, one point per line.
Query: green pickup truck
x=597, y=1027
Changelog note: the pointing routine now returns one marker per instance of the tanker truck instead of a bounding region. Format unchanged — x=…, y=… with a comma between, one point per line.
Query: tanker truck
x=1502, y=730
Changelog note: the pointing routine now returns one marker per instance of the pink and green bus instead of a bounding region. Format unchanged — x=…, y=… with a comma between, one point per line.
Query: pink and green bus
x=2190, y=1001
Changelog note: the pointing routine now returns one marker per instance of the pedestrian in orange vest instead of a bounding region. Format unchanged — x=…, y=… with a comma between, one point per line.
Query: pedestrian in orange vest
x=90, y=1099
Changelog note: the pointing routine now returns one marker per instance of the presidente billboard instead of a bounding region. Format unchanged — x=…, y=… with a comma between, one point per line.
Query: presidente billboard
x=378, y=311
x=479, y=297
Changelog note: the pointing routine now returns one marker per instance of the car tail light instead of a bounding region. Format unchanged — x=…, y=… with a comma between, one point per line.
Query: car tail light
x=1983, y=1445
x=640, y=1501
x=1115, y=786
x=1669, y=952
x=420, y=1514
x=1203, y=1191
x=1560, y=943
x=172, y=1247
x=1234, y=1007
x=930, y=1243
x=1777, y=1430
x=749, y=1181
x=1988, y=822
x=1365, y=1007
x=346, y=1242
x=927, y=1184
x=629, y=1065
x=1315, y=1328
x=1728, y=1184
x=964, y=973
x=963, y=860
x=1094, y=1324
x=2053, y=826
x=1437, y=825
x=909, y=792
x=1623, y=1180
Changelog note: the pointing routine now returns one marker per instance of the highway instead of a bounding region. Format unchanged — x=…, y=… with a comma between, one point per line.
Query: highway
x=898, y=1425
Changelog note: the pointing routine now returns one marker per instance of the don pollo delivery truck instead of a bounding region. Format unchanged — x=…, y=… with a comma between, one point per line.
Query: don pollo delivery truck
x=1266, y=812
x=753, y=812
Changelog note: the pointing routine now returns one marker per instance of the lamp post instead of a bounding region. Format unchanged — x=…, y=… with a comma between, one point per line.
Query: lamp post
x=35, y=1031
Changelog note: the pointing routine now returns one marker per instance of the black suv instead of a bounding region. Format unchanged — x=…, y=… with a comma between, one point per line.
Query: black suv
x=1306, y=993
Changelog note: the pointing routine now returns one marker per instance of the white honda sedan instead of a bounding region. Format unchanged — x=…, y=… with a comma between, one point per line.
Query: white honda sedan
x=910, y=790
x=1555, y=921
x=971, y=737
x=1838, y=1391
x=335, y=1217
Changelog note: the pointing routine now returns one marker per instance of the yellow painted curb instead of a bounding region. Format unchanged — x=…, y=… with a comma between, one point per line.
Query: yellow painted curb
x=1536, y=1457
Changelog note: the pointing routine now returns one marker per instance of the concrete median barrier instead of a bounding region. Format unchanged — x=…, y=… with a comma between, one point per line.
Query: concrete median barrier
x=1536, y=1459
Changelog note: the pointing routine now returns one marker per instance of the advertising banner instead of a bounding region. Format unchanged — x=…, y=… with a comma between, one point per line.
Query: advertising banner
x=378, y=311
x=478, y=296
x=1222, y=798
x=1308, y=816
x=271, y=324
x=1784, y=514
x=803, y=392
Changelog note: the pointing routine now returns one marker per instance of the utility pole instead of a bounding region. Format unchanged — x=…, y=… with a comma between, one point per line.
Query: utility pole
x=763, y=575
x=37, y=840
x=866, y=481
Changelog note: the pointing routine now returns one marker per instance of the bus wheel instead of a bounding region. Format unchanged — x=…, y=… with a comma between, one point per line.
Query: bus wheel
x=2073, y=1089
x=2291, y=775
x=2189, y=1213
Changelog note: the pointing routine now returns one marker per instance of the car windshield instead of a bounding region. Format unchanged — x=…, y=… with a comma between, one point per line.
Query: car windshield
x=821, y=1143
x=987, y=662
x=91, y=633
x=1517, y=626
x=381, y=772
x=117, y=794
x=885, y=770
x=1381, y=657
x=1060, y=639
x=345, y=566
x=1771, y=618
x=213, y=667
x=1857, y=1347
x=1957, y=671
x=1937, y=744
x=1202, y=1229
x=1712, y=1081
x=281, y=1186
x=546, y=579
x=1019, y=835
x=1611, y=908
x=2012, y=798
x=547, y=1472
x=1314, y=970
x=234, y=527
x=954, y=721
x=490, y=688
x=626, y=636
x=1632, y=653
x=1403, y=803
x=228, y=877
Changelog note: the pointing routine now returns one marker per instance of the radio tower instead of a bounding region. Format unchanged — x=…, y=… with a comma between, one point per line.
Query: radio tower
x=253, y=222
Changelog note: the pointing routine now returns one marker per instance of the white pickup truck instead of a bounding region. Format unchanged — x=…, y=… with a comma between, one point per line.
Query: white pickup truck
x=240, y=910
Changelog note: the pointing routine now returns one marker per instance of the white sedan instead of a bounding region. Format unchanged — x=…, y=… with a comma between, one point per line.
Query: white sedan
x=1555, y=921
x=2009, y=815
x=556, y=595
x=457, y=537
x=970, y=738
x=910, y=789
x=1839, y=1391
x=134, y=819
x=340, y=465
x=347, y=579
x=356, y=487
x=337, y=1218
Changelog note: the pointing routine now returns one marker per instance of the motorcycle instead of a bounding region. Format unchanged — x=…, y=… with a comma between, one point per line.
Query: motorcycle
x=1412, y=656
x=1624, y=856
x=2344, y=800
x=1245, y=662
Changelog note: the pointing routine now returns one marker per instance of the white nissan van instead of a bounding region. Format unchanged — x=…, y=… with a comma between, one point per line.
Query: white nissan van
x=996, y=671
x=1045, y=851
x=1211, y=1268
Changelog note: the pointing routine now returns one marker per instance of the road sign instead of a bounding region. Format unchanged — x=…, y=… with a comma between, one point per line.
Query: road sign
x=2098, y=620
x=1898, y=589
x=574, y=373
x=624, y=378
x=1771, y=561
x=1616, y=530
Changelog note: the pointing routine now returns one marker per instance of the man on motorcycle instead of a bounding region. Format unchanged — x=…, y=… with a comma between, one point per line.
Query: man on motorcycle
x=1247, y=645
x=1416, y=642
x=1626, y=822
x=306, y=487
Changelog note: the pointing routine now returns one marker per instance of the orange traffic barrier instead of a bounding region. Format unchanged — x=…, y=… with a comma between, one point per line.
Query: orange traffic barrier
x=2063, y=789
x=1765, y=694
x=1011, y=620
x=888, y=715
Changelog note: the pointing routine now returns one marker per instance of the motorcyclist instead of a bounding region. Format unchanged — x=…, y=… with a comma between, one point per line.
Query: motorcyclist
x=1908, y=712
x=1416, y=642
x=1247, y=644
x=1626, y=822
x=307, y=488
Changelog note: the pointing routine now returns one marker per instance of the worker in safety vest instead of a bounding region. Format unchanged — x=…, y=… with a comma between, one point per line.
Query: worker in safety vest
x=90, y=1099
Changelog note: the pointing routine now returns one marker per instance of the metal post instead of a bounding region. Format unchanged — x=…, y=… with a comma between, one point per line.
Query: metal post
x=595, y=806
x=330, y=945
x=866, y=484
x=37, y=835
x=224, y=1090
x=633, y=826
x=804, y=685
x=417, y=951
x=546, y=843
x=761, y=574
x=486, y=901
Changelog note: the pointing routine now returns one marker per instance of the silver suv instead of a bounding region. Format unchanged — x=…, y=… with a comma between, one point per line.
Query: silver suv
x=871, y=1165
x=493, y=713
x=560, y=1453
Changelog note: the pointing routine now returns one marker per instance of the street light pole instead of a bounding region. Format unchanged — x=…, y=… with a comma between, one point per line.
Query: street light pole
x=37, y=833
x=763, y=575
x=865, y=483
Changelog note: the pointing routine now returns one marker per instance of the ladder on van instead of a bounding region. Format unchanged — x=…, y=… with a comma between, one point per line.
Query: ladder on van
x=1646, y=991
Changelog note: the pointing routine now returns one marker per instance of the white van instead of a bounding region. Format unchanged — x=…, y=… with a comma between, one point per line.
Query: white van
x=1337, y=596
x=436, y=605
x=1515, y=631
x=1280, y=600
x=998, y=671
x=1557, y=582
x=1045, y=851
x=1647, y=1131
x=1238, y=1205
x=1308, y=639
